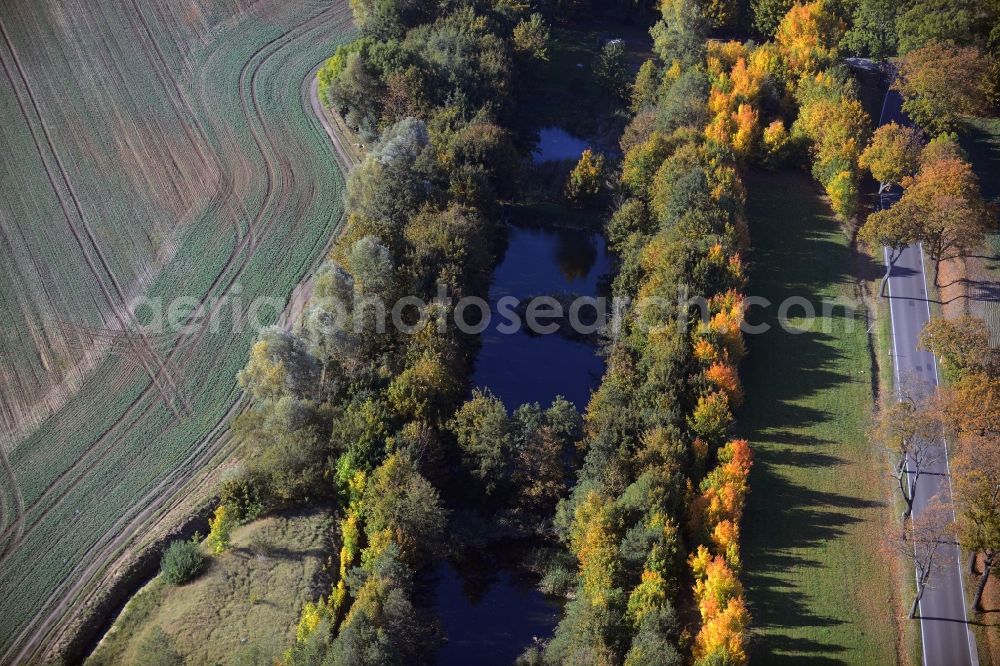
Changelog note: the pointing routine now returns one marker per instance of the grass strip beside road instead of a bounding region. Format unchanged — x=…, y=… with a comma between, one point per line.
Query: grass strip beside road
x=818, y=585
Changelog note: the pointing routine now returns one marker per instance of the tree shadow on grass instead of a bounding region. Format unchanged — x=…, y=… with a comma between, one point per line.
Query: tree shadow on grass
x=793, y=382
x=984, y=151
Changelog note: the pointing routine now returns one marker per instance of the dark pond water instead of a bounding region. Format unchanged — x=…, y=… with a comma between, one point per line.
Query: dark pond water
x=490, y=621
x=520, y=367
x=493, y=620
x=491, y=617
x=556, y=144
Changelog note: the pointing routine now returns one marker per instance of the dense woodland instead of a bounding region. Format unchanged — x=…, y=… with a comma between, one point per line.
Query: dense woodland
x=639, y=500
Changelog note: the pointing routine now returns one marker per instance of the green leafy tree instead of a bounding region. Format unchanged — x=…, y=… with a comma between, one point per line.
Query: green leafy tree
x=683, y=104
x=400, y=500
x=767, y=14
x=654, y=641
x=291, y=465
x=425, y=389
x=611, y=70
x=647, y=82
x=924, y=21
x=390, y=18
x=531, y=38
x=243, y=496
x=355, y=90
x=586, y=181
x=723, y=13
x=371, y=266
x=279, y=365
x=485, y=439
x=362, y=431
x=181, y=562
x=873, y=30
x=712, y=418
x=838, y=127
x=629, y=224
x=892, y=154
x=888, y=229
x=680, y=35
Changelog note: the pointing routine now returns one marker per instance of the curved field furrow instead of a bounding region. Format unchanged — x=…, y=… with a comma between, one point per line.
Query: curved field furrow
x=58, y=489
x=289, y=195
x=248, y=245
x=123, y=317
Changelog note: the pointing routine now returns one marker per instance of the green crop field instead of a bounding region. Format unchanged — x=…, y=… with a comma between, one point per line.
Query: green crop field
x=161, y=149
x=818, y=587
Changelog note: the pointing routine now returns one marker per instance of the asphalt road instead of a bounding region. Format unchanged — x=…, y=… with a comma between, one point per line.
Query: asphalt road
x=945, y=633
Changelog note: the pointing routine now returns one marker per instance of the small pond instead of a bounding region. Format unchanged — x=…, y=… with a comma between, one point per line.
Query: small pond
x=556, y=144
x=490, y=621
x=520, y=367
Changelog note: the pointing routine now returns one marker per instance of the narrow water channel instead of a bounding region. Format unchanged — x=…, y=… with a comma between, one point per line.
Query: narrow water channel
x=491, y=618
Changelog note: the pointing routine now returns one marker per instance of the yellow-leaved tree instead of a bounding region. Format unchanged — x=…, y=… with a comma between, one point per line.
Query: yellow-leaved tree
x=808, y=36
x=220, y=526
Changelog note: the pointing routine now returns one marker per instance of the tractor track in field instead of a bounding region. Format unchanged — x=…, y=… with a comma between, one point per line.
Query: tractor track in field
x=124, y=317
x=181, y=345
x=17, y=502
x=226, y=187
x=123, y=530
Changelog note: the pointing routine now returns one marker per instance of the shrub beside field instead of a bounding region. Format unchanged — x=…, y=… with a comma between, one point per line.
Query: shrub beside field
x=245, y=604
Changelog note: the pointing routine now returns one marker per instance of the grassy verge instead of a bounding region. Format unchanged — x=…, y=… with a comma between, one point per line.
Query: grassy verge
x=245, y=605
x=819, y=587
x=980, y=138
x=909, y=639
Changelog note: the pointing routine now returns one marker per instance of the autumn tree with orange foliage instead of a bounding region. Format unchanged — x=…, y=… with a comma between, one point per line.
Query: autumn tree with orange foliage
x=976, y=475
x=724, y=616
x=646, y=495
x=717, y=512
x=972, y=409
x=941, y=207
x=941, y=82
x=725, y=377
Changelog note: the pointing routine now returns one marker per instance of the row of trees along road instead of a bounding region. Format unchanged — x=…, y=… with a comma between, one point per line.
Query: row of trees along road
x=967, y=412
x=941, y=206
x=948, y=67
